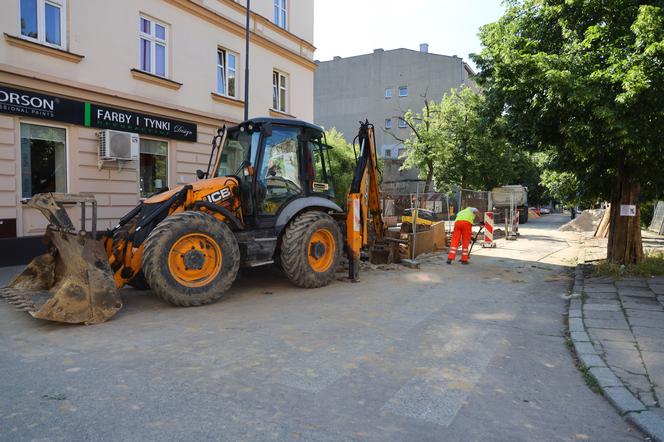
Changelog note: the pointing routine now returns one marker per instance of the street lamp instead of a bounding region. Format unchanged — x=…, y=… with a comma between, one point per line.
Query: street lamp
x=246, y=66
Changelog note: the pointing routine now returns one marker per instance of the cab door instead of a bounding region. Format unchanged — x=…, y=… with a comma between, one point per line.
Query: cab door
x=279, y=177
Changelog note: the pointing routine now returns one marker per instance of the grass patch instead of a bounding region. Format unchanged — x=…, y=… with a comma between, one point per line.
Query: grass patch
x=651, y=265
x=591, y=382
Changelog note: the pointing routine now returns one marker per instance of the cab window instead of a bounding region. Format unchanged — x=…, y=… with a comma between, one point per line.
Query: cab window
x=279, y=175
x=320, y=175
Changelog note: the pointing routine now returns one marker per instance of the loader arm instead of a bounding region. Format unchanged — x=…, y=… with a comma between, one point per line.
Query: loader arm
x=364, y=200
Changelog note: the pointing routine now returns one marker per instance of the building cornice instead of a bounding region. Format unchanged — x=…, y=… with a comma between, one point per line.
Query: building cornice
x=198, y=9
x=50, y=84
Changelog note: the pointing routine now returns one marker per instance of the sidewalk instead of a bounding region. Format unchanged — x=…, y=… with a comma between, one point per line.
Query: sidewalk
x=617, y=328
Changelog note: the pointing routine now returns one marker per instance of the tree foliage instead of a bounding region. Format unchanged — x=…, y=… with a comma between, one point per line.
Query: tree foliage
x=583, y=80
x=342, y=159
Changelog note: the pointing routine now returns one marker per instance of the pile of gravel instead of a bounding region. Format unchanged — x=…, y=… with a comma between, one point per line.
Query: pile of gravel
x=586, y=221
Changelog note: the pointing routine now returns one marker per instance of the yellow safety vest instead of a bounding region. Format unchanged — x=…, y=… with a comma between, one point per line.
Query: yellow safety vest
x=466, y=215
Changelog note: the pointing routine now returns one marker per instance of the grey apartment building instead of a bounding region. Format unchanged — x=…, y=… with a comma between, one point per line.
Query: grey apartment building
x=382, y=86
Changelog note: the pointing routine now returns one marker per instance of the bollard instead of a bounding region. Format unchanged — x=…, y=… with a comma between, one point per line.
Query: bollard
x=488, y=231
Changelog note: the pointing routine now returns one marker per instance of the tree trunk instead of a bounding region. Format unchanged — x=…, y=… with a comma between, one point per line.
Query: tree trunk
x=625, y=246
x=427, y=185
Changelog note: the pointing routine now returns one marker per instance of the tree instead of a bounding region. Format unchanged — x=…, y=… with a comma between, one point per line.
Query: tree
x=584, y=80
x=342, y=159
x=453, y=143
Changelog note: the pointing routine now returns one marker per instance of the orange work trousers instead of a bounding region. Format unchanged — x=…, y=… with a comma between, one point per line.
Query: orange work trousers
x=463, y=230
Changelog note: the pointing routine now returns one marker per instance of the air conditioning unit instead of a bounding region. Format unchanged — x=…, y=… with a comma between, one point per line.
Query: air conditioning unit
x=116, y=145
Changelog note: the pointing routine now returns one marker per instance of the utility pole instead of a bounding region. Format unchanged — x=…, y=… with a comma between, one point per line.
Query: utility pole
x=246, y=65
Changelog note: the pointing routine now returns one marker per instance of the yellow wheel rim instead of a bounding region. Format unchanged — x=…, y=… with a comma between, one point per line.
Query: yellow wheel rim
x=194, y=260
x=321, y=250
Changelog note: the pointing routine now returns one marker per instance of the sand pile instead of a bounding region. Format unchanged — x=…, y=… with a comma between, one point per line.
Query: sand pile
x=586, y=221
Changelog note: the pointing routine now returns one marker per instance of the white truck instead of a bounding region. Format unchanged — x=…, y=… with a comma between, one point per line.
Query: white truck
x=507, y=196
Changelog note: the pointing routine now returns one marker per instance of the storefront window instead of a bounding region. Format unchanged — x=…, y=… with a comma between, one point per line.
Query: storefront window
x=154, y=166
x=43, y=159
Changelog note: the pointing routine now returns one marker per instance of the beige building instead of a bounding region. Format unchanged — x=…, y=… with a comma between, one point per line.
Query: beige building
x=169, y=71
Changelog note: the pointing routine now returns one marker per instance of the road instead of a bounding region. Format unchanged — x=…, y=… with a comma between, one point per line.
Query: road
x=455, y=352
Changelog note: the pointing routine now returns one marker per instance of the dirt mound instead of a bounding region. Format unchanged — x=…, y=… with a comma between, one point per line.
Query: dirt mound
x=586, y=221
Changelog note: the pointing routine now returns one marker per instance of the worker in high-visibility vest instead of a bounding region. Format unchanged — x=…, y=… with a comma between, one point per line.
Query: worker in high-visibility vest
x=463, y=231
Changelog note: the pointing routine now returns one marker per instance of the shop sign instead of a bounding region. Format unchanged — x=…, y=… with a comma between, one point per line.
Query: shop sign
x=35, y=105
x=48, y=107
x=105, y=117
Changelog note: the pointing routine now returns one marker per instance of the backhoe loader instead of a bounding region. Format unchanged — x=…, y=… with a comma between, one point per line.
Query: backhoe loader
x=266, y=197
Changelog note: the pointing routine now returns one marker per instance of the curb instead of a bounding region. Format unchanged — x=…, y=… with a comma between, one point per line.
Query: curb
x=628, y=406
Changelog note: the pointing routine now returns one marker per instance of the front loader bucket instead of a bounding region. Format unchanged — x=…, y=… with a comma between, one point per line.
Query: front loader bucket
x=72, y=283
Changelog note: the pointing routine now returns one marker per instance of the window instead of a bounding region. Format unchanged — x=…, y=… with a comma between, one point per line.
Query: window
x=402, y=123
x=153, y=44
x=43, y=21
x=388, y=92
x=320, y=172
x=280, y=13
x=403, y=91
x=153, y=167
x=226, y=73
x=388, y=123
x=279, y=91
x=388, y=153
x=43, y=159
x=279, y=173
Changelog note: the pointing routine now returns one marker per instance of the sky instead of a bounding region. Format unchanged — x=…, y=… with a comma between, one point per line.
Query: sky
x=355, y=27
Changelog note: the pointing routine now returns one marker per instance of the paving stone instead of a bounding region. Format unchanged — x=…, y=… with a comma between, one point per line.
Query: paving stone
x=648, y=332
x=647, y=322
x=597, y=301
x=607, y=323
x=584, y=348
x=657, y=280
x=576, y=325
x=591, y=360
x=602, y=307
x=599, y=280
x=626, y=362
x=605, y=377
x=653, y=306
x=580, y=336
x=600, y=334
x=645, y=314
x=609, y=296
x=648, y=398
x=658, y=289
x=591, y=289
x=575, y=313
x=648, y=422
x=627, y=282
x=629, y=300
x=575, y=304
x=623, y=399
x=609, y=316
x=632, y=293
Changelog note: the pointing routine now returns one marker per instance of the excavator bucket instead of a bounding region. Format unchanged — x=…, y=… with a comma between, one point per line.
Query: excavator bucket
x=73, y=282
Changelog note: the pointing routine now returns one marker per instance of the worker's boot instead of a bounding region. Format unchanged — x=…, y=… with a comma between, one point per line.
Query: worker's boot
x=465, y=262
x=449, y=261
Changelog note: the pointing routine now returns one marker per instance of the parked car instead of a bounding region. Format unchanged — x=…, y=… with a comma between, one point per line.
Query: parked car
x=545, y=211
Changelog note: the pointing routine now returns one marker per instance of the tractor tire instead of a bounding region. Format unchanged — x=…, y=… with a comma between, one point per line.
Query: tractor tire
x=139, y=282
x=191, y=259
x=310, y=249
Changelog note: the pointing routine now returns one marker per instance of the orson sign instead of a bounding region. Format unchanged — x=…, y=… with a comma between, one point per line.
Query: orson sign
x=117, y=119
x=48, y=107
x=35, y=105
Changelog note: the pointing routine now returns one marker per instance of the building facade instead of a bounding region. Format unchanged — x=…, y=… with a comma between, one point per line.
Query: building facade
x=382, y=87
x=170, y=72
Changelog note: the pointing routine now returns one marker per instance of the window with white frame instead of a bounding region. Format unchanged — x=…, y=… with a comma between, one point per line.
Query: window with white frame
x=388, y=123
x=44, y=21
x=403, y=91
x=226, y=73
x=279, y=91
x=388, y=153
x=153, y=44
x=402, y=123
x=280, y=14
x=43, y=159
x=388, y=92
